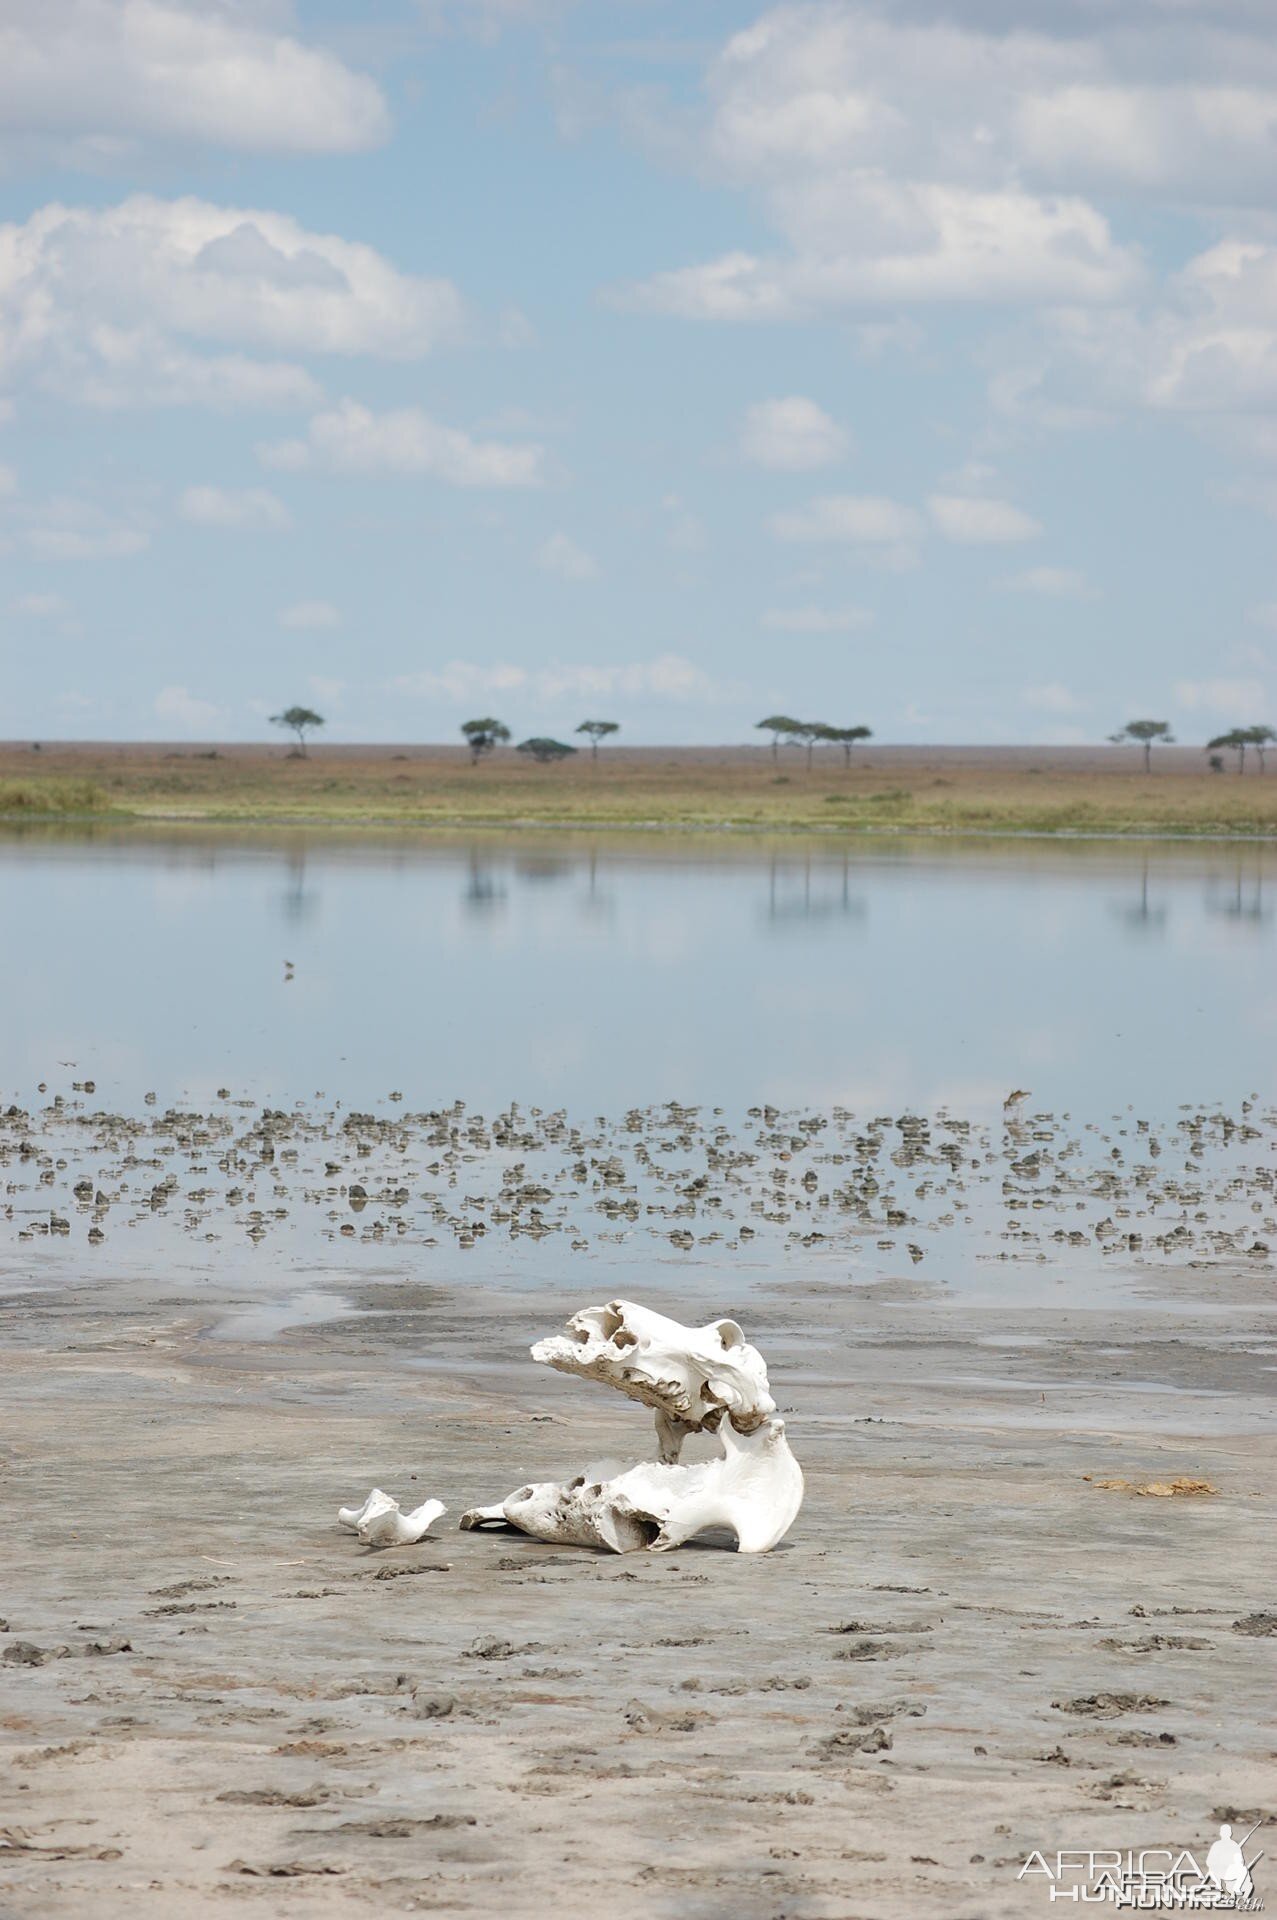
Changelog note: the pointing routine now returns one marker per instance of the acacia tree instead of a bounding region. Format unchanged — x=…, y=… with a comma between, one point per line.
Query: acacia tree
x=1236, y=740
x=1261, y=738
x=809, y=732
x=1145, y=732
x=298, y=720
x=846, y=738
x=544, y=750
x=482, y=736
x=598, y=730
x=778, y=724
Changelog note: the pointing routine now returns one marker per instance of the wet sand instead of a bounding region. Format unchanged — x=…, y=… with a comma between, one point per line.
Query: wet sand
x=215, y=1700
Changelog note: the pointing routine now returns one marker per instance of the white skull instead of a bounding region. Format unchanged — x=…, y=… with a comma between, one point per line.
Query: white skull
x=691, y=1377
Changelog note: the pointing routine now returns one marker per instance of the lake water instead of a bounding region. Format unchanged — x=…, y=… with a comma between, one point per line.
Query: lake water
x=1116, y=985
x=601, y=974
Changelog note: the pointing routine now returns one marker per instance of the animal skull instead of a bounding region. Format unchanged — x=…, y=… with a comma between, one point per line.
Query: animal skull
x=690, y=1377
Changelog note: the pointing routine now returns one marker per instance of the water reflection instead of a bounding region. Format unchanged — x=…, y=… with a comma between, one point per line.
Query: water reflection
x=791, y=894
x=1243, y=901
x=596, y=973
x=1143, y=916
x=483, y=890
x=299, y=901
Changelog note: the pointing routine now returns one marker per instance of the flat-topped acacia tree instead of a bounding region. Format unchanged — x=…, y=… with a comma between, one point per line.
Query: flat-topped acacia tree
x=1145, y=733
x=1236, y=740
x=846, y=738
x=1261, y=738
x=779, y=725
x=482, y=736
x=598, y=730
x=298, y=720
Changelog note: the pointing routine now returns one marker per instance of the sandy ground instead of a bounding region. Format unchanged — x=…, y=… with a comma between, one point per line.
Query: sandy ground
x=213, y=1700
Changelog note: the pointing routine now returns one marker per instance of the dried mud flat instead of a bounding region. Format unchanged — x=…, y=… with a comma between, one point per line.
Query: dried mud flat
x=213, y=1700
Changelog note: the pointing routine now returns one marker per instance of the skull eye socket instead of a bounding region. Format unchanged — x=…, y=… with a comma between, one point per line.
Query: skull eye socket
x=623, y=1338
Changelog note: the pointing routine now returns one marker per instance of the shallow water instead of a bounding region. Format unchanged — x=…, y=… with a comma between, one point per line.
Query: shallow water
x=188, y=981
x=599, y=974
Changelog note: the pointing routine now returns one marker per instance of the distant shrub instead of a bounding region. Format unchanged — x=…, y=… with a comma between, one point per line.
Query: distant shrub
x=37, y=796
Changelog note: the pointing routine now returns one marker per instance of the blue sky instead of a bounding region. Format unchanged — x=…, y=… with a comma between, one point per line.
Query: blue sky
x=666, y=362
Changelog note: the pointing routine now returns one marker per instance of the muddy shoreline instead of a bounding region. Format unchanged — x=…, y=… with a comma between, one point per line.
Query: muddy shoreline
x=965, y=1649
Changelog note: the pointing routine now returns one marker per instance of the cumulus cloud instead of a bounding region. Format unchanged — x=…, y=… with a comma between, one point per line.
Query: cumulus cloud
x=183, y=302
x=41, y=606
x=66, y=528
x=254, y=508
x=1208, y=347
x=561, y=555
x=973, y=520
x=1053, y=697
x=881, y=528
x=114, y=71
x=818, y=619
x=308, y=616
x=350, y=438
x=668, y=677
x=792, y=435
x=179, y=707
x=1055, y=583
x=1241, y=701
x=902, y=162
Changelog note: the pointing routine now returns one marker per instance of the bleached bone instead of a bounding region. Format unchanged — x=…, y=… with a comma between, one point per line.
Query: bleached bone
x=380, y=1523
x=690, y=1377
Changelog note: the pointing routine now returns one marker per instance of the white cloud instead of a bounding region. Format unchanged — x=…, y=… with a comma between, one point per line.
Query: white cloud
x=65, y=528
x=818, y=619
x=902, y=162
x=974, y=521
x=934, y=243
x=41, y=606
x=251, y=507
x=883, y=528
x=1055, y=583
x=116, y=70
x=1053, y=698
x=792, y=435
x=668, y=677
x=1264, y=614
x=561, y=555
x=350, y=438
x=1240, y=701
x=180, y=708
x=1207, y=347
x=101, y=305
x=306, y=616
